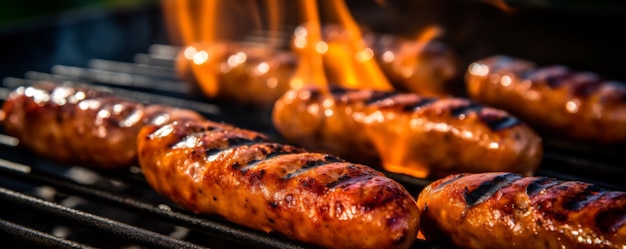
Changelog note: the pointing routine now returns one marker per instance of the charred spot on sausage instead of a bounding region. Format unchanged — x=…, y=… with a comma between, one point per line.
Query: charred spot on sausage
x=419, y=104
x=611, y=220
x=496, y=123
x=539, y=184
x=270, y=150
x=486, y=189
x=579, y=200
x=378, y=96
x=313, y=164
x=465, y=109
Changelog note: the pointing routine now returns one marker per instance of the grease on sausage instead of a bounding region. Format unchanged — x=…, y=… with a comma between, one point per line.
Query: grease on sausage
x=556, y=100
x=505, y=210
x=82, y=125
x=215, y=168
x=408, y=133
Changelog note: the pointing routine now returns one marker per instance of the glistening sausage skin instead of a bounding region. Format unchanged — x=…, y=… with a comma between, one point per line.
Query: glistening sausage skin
x=215, y=168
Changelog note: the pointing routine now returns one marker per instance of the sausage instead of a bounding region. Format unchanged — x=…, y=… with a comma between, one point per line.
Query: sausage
x=80, y=124
x=424, y=137
x=505, y=210
x=259, y=75
x=215, y=168
x=236, y=73
x=428, y=68
x=425, y=67
x=556, y=100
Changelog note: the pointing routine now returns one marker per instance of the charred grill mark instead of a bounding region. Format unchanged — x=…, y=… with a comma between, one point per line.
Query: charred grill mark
x=339, y=180
x=497, y=122
x=611, y=220
x=579, y=200
x=270, y=150
x=314, y=94
x=586, y=88
x=461, y=110
x=545, y=204
x=419, y=104
x=337, y=90
x=552, y=76
x=378, y=96
x=555, y=81
x=235, y=142
x=347, y=180
x=540, y=184
x=313, y=164
x=488, y=188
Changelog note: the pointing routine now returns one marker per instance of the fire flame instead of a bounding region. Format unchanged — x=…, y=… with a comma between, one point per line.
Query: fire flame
x=342, y=59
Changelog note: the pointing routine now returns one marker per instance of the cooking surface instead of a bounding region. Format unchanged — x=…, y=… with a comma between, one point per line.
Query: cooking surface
x=128, y=52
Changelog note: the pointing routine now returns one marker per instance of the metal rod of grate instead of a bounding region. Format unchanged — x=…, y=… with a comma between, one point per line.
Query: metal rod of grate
x=97, y=223
x=34, y=237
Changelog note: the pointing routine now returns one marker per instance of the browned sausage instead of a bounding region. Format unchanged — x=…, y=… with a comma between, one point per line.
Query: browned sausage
x=215, y=168
x=259, y=75
x=233, y=72
x=504, y=210
x=80, y=124
x=411, y=134
x=556, y=100
x=428, y=68
x=425, y=67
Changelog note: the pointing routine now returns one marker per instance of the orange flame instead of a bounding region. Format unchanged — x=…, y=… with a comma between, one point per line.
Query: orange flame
x=345, y=57
x=340, y=57
x=307, y=43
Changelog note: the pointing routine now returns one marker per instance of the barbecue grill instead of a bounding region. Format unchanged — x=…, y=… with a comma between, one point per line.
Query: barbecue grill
x=128, y=52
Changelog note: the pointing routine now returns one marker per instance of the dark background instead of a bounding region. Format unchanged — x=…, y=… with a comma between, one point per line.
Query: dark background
x=585, y=35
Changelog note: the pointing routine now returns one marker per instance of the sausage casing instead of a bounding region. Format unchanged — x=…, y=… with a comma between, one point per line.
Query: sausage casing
x=556, y=100
x=82, y=125
x=408, y=133
x=235, y=73
x=504, y=210
x=215, y=168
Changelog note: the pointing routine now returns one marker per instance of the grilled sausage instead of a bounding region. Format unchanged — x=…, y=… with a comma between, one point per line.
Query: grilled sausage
x=215, y=168
x=504, y=210
x=256, y=75
x=82, y=125
x=411, y=134
x=428, y=68
x=232, y=72
x=558, y=101
x=425, y=67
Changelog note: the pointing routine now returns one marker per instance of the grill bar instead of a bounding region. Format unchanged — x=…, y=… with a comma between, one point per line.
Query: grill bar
x=97, y=223
x=133, y=68
x=34, y=237
x=123, y=79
